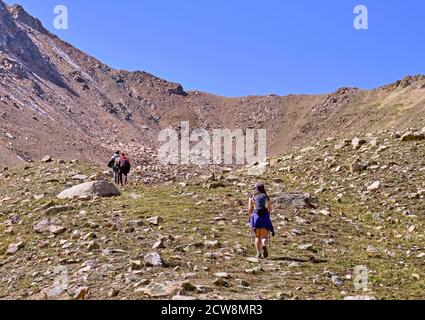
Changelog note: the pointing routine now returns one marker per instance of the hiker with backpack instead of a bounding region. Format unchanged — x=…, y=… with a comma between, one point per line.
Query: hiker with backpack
x=260, y=208
x=115, y=166
x=125, y=166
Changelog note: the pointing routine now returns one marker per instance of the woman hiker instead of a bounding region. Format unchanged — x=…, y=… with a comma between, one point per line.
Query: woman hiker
x=260, y=208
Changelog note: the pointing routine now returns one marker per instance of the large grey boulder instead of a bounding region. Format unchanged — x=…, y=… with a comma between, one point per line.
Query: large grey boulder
x=295, y=199
x=90, y=189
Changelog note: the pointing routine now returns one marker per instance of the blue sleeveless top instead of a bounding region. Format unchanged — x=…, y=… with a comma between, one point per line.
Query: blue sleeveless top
x=262, y=221
x=260, y=201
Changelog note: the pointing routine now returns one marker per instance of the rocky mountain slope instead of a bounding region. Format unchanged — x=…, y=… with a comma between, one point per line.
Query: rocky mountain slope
x=346, y=177
x=55, y=99
x=338, y=204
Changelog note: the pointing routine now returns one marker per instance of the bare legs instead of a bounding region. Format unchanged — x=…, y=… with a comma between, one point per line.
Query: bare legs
x=261, y=247
x=265, y=243
x=258, y=247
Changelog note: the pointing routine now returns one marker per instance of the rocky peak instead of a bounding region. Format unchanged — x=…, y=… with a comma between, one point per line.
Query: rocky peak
x=406, y=82
x=20, y=15
x=7, y=27
x=17, y=46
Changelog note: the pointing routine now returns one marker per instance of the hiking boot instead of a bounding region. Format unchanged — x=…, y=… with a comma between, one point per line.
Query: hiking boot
x=258, y=256
x=265, y=252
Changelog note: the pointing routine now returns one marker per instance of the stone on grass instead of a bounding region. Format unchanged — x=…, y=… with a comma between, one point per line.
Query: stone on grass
x=156, y=221
x=153, y=259
x=296, y=199
x=14, y=247
x=90, y=189
x=375, y=186
x=160, y=290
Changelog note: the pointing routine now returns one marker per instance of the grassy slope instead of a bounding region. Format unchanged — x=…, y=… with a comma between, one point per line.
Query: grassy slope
x=192, y=214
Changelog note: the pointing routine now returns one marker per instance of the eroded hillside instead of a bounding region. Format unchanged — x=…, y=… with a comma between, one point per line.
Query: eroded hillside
x=55, y=99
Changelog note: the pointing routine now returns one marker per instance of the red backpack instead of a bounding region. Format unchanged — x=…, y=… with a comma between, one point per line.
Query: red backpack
x=125, y=164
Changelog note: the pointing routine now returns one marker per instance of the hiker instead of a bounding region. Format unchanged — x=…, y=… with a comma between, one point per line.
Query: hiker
x=115, y=165
x=125, y=166
x=260, y=209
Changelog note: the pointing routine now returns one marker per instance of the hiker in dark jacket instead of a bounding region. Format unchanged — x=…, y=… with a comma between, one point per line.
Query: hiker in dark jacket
x=116, y=166
x=125, y=166
x=260, y=208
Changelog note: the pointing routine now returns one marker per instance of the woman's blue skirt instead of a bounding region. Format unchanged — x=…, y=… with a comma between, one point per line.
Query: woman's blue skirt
x=261, y=222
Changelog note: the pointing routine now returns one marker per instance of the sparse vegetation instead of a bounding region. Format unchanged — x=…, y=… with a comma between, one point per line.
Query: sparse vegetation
x=204, y=231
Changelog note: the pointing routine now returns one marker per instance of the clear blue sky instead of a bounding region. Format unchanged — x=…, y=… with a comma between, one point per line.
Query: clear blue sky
x=243, y=47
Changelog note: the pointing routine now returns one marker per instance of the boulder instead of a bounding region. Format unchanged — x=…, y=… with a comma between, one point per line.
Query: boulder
x=232, y=178
x=216, y=185
x=298, y=200
x=357, y=167
x=58, y=209
x=57, y=230
x=113, y=293
x=258, y=169
x=212, y=244
x=153, y=259
x=14, y=247
x=374, y=186
x=46, y=225
x=189, y=287
x=136, y=265
x=42, y=226
x=90, y=189
x=220, y=282
x=160, y=290
x=80, y=177
x=156, y=221
x=341, y=145
x=337, y=281
x=305, y=247
x=413, y=136
x=357, y=143
x=158, y=245
x=372, y=251
x=223, y=275
x=46, y=159
x=81, y=293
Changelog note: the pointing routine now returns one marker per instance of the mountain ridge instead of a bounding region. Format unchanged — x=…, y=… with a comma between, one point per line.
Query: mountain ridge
x=57, y=100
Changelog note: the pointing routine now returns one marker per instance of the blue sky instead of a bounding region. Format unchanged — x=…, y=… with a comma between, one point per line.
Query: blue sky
x=247, y=47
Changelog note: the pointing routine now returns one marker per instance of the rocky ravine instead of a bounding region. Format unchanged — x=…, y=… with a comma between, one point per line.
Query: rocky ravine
x=55, y=99
x=338, y=204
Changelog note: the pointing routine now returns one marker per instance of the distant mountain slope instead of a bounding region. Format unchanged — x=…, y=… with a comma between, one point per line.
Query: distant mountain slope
x=55, y=99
